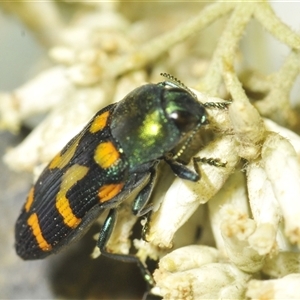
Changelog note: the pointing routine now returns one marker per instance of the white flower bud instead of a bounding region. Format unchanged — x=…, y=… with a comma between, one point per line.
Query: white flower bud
x=283, y=288
x=283, y=170
x=228, y=282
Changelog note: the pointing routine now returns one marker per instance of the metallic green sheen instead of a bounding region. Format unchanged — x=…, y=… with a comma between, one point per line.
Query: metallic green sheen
x=141, y=127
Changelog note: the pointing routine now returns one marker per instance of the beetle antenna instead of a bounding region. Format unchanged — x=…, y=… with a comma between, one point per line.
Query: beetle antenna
x=178, y=83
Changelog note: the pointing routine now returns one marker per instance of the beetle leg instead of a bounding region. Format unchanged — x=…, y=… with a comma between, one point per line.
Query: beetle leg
x=183, y=171
x=139, y=205
x=104, y=236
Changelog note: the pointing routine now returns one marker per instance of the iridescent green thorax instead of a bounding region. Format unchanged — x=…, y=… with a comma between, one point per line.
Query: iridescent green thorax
x=141, y=127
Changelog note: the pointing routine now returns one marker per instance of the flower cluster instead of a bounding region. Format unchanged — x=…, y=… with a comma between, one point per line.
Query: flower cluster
x=248, y=212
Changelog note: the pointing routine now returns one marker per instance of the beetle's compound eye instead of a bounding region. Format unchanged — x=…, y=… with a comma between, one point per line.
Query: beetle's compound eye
x=184, y=120
x=183, y=109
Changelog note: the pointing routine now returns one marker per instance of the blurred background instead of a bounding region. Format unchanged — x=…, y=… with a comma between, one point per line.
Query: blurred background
x=73, y=274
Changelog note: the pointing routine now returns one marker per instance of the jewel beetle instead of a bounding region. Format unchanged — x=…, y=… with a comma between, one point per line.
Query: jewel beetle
x=117, y=151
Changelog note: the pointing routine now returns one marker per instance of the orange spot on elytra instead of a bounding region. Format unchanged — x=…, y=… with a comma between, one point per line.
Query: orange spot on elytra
x=55, y=161
x=70, y=178
x=62, y=159
x=63, y=206
x=106, y=154
x=108, y=191
x=29, y=200
x=99, y=122
x=33, y=222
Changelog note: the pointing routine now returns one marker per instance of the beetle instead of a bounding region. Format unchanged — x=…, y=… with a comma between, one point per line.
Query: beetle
x=116, y=152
